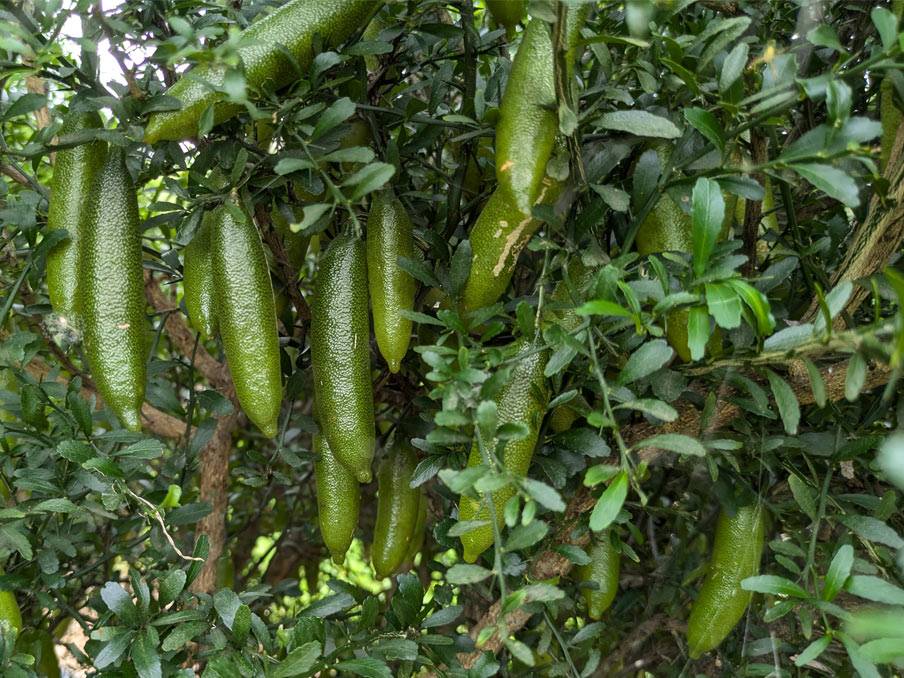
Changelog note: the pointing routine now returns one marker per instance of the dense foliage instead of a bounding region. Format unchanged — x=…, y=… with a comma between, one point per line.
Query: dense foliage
x=675, y=389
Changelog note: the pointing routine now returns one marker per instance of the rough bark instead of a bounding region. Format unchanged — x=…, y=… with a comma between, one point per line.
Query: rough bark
x=877, y=238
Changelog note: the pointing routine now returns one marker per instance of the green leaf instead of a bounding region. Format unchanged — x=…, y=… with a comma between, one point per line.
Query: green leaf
x=639, y=123
x=543, y=494
x=113, y=650
x=707, y=124
x=289, y=165
x=887, y=25
x=839, y=571
x=145, y=657
x=757, y=303
x=603, y=307
x=724, y=305
x=645, y=360
x=337, y=113
x=733, y=66
x=707, y=215
x=835, y=300
x=330, y=605
x=803, y=495
x=698, y=331
x=572, y=553
x=446, y=615
x=882, y=650
x=855, y=378
x=769, y=583
x=813, y=650
x=674, y=442
x=872, y=530
x=651, y=406
x=832, y=181
x=817, y=385
x=171, y=587
x=788, y=407
x=460, y=267
x=120, y=603
x=874, y=588
x=462, y=573
x=369, y=667
x=369, y=178
x=299, y=661
x=864, y=667
x=610, y=503
x=182, y=634
x=825, y=36
x=419, y=271
x=525, y=536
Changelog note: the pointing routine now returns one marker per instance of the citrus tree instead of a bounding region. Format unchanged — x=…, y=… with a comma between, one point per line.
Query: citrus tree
x=359, y=338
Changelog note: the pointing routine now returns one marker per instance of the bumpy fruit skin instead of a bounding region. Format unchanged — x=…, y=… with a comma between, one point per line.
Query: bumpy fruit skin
x=501, y=232
x=602, y=570
x=397, y=508
x=722, y=602
x=507, y=13
x=39, y=644
x=528, y=124
x=389, y=236
x=340, y=355
x=246, y=314
x=111, y=291
x=10, y=615
x=292, y=26
x=522, y=399
x=73, y=173
x=562, y=418
x=197, y=281
x=338, y=499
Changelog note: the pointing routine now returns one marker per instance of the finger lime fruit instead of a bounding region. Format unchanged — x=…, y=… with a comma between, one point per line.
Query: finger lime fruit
x=722, y=602
x=10, y=615
x=340, y=355
x=296, y=245
x=526, y=132
x=602, y=570
x=338, y=499
x=420, y=529
x=197, y=281
x=267, y=44
x=39, y=644
x=73, y=174
x=501, y=232
x=507, y=13
x=246, y=314
x=523, y=399
x=392, y=289
x=111, y=290
x=397, y=508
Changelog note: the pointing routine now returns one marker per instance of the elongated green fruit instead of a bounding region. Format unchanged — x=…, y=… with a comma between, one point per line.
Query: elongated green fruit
x=246, y=315
x=10, y=615
x=389, y=236
x=722, y=602
x=197, y=280
x=39, y=644
x=338, y=499
x=340, y=355
x=528, y=124
x=397, y=508
x=507, y=13
x=69, y=190
x=501, y=232
x=602, y=570
x=292, y=27
x=296, y=244
x=523, y=399
x=111, y=291
x=420, y=529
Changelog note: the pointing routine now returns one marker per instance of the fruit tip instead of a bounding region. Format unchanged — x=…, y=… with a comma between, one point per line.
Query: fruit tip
x=339, y=558
x=131, y=419
x=469, y=555
x=269, y=428
x=364, y=476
